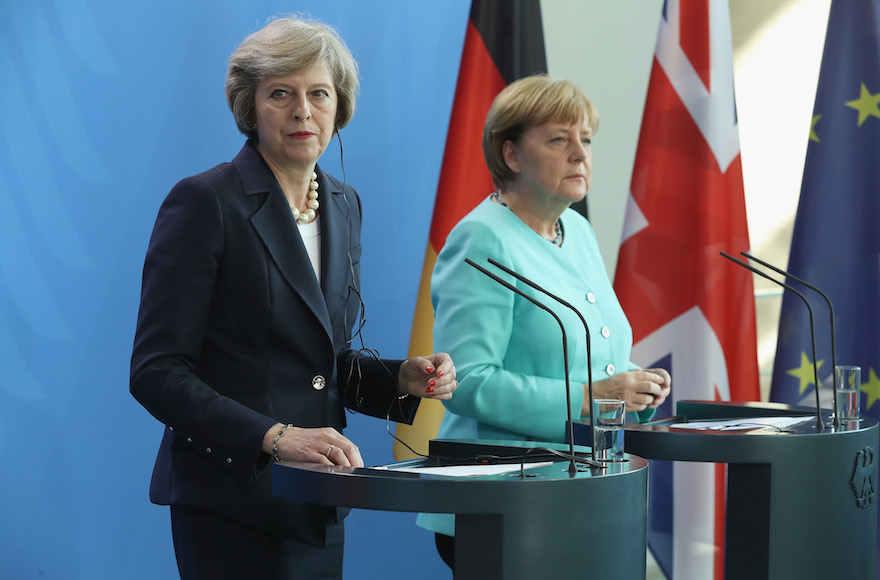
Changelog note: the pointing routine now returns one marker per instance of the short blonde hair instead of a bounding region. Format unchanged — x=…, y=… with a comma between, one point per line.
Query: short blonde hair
x=529, y=102
x=283, y=47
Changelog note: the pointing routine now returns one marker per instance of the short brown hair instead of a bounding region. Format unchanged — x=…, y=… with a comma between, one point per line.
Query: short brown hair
x=529, y=102
x=283, y=47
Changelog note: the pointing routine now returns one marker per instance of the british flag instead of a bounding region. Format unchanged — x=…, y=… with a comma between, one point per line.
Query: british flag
x=691, y=311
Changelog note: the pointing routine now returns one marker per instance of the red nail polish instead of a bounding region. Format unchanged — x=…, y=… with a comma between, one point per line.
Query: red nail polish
x=432, y=383
x=430, y=369
x=440, y=374
x=430, y=390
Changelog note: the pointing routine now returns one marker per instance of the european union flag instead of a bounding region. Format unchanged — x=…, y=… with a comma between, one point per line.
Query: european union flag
x=836, y=241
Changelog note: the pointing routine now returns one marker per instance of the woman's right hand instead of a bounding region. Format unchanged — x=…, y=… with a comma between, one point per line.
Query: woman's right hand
x=323, y=445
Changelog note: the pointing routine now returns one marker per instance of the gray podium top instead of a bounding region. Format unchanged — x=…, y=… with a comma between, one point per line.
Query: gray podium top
x=752, y=444
x=388, y=488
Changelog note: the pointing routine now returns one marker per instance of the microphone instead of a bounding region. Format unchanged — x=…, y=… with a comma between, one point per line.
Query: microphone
x=525, y=280
x=819, y=426
x=572, y=467
x=831, y=313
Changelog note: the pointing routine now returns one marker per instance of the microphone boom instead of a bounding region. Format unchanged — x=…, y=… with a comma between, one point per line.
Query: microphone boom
x=572, y=468
x=525, y=280
x=819, y=425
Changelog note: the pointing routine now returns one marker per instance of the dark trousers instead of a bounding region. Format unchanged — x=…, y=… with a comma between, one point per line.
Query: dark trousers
x=211, y=547
x=446, y=548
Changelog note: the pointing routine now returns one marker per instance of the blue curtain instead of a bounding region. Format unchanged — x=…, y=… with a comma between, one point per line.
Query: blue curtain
x=105, y=106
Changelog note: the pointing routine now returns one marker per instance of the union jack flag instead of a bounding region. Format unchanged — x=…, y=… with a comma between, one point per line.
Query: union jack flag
x=692, y=312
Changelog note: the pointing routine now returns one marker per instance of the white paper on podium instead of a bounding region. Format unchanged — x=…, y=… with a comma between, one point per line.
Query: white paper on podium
x=466, y=470
x=743, y=423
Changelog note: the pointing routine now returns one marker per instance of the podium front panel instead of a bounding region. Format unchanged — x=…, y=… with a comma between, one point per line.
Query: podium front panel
x=793, y=507
x=549, y=524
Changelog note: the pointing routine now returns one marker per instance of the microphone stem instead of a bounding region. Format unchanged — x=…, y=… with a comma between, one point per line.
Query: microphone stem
x=572, y=467
x=831, y=314
x=819, y=425
x=531, y=284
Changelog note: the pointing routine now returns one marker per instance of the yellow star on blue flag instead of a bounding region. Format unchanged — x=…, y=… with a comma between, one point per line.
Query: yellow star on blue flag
x=866, y=105
x=804, y=373
x=871, y=389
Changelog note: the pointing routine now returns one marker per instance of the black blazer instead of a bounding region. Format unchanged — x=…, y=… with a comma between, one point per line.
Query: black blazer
x=235, y=334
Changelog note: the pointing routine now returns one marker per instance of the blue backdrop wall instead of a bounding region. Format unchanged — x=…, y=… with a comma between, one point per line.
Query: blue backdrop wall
x=106, y=105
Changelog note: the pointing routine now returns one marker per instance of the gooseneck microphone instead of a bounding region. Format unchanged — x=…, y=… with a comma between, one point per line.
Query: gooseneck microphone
x=532, y=284
x=819, y=425
x=572, y=467
x=831, y=313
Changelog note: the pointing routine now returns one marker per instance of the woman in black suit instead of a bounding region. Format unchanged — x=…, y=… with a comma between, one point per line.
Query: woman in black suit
x=250, y=295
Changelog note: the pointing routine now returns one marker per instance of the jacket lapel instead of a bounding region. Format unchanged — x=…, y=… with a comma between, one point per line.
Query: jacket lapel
x=275, y=226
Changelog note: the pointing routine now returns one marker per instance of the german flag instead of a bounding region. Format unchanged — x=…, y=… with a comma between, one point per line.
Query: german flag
x=504, y=41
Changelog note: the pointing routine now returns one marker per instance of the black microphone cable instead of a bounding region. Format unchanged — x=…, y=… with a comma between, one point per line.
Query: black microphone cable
x=354, y=371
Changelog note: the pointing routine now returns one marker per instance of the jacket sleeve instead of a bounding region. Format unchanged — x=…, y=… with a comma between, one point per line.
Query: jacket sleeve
x=371, y=388
x=179, y=277
x=474, y=323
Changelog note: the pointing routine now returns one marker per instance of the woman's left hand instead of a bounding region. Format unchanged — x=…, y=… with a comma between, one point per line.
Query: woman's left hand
x=641, y=389
x=665, y=387
x=428, y=376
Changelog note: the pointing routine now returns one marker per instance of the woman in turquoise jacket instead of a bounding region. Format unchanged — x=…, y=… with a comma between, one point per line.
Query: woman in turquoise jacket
x=508, y=352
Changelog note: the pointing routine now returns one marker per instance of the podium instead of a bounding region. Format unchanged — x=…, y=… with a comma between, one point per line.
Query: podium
x=546, y=525
x=800, y=503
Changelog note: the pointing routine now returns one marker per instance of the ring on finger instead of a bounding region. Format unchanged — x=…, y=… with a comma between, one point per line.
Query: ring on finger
x=329, y=450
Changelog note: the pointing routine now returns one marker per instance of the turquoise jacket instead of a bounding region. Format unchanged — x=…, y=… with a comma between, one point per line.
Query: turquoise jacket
x=507, y=351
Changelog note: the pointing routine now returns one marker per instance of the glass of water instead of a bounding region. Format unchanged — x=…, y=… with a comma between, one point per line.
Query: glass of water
x=849, y=386
x=608, y=416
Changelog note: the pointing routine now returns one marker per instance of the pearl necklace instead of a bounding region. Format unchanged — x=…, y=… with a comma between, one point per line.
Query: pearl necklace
x=496, y=195
x=310, y=214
